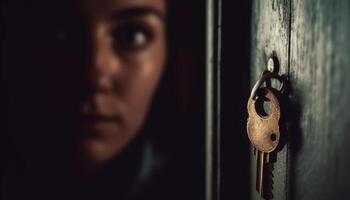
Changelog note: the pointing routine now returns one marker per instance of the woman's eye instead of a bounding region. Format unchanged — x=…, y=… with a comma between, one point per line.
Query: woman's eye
x=132, y=37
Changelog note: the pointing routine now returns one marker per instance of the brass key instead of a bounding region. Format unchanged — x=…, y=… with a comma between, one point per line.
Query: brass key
x=264, y=133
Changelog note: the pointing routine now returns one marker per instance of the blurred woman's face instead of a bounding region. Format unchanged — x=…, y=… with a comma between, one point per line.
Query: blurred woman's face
x=127, y=54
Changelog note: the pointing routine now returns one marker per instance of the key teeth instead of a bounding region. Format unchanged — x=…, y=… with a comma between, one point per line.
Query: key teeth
x=268, y=182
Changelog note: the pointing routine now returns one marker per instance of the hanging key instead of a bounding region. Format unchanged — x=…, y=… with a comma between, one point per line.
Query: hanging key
x=264, y=133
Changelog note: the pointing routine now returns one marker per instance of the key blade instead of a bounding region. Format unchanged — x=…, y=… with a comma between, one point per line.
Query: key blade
x=268, y=181
x=260, y=172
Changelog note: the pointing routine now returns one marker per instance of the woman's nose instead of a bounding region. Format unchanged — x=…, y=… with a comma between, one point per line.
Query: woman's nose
x=104, y=66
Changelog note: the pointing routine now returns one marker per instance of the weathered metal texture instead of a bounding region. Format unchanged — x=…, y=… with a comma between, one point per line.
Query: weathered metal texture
x=270, y=36
x=264, y=131
x=319, y=76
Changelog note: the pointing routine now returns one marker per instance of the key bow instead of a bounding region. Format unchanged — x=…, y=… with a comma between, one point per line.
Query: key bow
x=263, y=130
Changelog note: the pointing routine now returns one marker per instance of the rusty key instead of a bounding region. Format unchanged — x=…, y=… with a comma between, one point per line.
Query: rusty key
x=263, y=132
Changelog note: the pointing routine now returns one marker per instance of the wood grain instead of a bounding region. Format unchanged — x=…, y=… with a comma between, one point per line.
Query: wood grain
x=270, y=36
x=319, y=161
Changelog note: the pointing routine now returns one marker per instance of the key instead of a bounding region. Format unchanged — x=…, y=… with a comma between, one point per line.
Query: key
x=264, y=133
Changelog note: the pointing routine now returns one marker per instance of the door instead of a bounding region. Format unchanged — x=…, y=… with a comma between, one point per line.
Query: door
x=310, y=41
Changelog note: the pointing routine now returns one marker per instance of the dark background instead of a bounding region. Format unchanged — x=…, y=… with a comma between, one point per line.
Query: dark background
x=235, y=67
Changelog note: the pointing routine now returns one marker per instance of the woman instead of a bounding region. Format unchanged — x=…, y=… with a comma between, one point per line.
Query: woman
x=88, y=74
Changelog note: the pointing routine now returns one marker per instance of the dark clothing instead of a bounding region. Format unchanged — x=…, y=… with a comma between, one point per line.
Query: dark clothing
x=138, y=173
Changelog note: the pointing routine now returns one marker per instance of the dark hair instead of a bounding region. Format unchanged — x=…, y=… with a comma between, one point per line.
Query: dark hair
x=178, y=105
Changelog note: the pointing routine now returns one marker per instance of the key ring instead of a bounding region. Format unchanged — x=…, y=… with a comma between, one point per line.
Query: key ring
x=266, y=75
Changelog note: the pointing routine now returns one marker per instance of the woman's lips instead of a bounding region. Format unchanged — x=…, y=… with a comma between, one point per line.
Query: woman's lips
x=101, y=115
x=98, y=126
x=101, y=108
x=100, y=118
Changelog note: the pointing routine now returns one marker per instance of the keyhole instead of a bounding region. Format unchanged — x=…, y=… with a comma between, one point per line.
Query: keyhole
x=273, y=137
x=263, y=107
